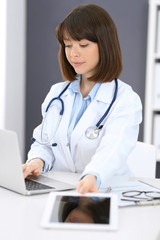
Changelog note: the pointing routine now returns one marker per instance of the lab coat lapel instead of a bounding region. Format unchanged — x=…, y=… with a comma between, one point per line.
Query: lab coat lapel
x=63, y=128
x=104, y=95
x=85, y=122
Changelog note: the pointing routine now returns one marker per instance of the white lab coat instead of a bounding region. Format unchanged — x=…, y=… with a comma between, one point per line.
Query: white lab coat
x=105, y=155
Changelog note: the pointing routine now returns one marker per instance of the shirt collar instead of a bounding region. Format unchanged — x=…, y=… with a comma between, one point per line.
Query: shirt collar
x=74, y=87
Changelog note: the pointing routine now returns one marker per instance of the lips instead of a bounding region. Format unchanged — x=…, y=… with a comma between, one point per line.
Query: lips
x=77, y=64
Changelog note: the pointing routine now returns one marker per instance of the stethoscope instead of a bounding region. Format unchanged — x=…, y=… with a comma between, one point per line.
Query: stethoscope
x=91, y=132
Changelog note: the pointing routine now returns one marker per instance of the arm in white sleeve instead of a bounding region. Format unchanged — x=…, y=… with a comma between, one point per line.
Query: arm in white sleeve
x=43, y=152
x=119, y=138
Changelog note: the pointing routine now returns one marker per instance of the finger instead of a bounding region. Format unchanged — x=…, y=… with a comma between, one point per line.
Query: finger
x=86, y=185
x=28, y=169
x=36, y=173
x=79, y=187
x=24, y=167
x=93, y=189
x=25, y=171
x=82, y=187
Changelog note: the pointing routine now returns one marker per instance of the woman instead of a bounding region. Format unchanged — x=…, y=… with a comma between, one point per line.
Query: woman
x=75, y=209
x=90, y=60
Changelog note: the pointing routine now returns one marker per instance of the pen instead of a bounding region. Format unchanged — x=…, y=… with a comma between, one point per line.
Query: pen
x=144, y=203
x=147, y=203
x=109, y=189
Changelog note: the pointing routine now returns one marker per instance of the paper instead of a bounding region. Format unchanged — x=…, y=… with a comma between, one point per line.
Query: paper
x=119, y=185
x=154, y=182
x=130, y=186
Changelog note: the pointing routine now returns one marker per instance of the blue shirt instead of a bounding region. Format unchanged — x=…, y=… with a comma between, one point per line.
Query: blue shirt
x=79, y=106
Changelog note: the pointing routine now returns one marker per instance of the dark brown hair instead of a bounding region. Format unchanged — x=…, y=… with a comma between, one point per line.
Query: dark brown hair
x=97, y=208
x=93, y=23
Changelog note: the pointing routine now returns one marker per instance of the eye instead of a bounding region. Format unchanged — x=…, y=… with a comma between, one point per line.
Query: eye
x=83, y=45
x=68, y=45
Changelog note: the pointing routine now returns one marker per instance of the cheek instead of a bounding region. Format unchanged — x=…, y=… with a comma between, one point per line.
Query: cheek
x=78, y=216
x=96, y=57
x=93, y=58
x=67, y=54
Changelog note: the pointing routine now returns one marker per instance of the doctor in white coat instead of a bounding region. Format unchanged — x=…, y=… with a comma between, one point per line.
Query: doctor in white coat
x=91, y=121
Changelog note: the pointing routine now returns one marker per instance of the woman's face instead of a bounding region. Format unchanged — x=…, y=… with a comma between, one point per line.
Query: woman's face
x=83, y=55
x=79, y=216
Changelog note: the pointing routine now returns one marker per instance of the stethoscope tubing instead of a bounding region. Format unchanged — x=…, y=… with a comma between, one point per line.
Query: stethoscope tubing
x=96, y=128
x=108, y=109
x=58, y=98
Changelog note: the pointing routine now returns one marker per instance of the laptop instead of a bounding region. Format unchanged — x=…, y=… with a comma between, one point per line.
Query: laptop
x=11, y=173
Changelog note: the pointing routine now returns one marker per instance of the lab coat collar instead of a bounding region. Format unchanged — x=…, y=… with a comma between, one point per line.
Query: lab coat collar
x=75, y=88
x=104, y=94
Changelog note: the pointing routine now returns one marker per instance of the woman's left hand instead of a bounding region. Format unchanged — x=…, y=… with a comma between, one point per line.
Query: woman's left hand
x=87, y=184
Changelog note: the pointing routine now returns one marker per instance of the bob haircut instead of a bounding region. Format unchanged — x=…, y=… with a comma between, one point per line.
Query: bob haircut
x=93, y=23
x=99, y=211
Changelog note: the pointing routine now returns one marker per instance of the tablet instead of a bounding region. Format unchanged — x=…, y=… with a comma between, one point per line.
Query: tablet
x=75, y=211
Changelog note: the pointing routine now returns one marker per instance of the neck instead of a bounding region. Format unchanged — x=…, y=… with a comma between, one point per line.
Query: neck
x=85, y=87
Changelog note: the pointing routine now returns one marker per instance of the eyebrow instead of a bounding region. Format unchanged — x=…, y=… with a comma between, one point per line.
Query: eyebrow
x=70, y=39
x=66, y=39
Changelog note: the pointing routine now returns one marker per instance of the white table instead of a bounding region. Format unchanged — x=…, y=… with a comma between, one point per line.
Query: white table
x=20, y=218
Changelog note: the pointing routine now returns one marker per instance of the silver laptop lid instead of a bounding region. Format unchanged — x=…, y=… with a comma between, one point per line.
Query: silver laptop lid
x=11, y=174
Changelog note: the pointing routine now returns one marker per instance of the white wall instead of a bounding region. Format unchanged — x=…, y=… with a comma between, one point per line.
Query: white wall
x=12, y=64
x=3, y=22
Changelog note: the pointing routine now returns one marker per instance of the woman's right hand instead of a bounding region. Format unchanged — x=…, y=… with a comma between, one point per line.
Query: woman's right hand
x=34, y=167
x=87, y=184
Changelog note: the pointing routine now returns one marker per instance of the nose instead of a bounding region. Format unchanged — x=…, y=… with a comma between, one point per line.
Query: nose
x=74, y=51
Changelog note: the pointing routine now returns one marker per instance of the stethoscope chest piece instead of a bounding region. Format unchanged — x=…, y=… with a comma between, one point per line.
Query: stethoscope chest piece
x=92, y=132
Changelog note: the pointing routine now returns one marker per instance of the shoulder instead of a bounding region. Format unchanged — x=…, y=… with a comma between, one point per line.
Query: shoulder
x=55, y=90
x=127, y=94
x=128, y=103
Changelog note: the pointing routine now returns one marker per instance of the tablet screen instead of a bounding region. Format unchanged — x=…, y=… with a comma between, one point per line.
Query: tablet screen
x=81, y=209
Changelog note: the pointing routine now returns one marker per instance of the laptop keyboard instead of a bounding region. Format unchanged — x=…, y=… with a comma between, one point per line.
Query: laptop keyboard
x=31, y=185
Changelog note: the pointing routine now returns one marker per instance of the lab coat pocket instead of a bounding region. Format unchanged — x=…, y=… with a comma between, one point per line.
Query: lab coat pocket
x=84, y=151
